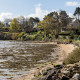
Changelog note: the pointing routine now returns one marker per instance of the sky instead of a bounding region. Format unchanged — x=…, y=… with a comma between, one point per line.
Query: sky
x=35, y=8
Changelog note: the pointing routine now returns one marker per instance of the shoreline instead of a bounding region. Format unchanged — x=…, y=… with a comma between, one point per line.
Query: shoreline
x=64, y=51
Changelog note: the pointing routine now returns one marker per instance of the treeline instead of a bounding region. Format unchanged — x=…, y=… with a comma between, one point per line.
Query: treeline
x=50, y=27
x=22, y=24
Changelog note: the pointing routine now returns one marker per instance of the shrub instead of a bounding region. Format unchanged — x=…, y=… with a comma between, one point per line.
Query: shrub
x=39, y=35
x=14, y=36
x=70, y=40
x=21, y=34
x=75, y=37
x=64, y=33
x=24, y=38
x=50, y=36
x=6, y=29
x=30, y=37
x=73, y=57
x=27, y=37
x=40, y=38
x=7, y=36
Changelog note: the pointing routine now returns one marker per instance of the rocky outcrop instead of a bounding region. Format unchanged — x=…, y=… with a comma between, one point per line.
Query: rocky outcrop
x=60, y=72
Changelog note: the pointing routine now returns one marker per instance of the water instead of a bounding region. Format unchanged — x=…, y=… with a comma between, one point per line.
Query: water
x=17, y=58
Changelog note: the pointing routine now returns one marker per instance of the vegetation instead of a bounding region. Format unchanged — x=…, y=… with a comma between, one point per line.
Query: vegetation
x=77, y=12
x=14, y=26
x=73, y=57
x=53, y=26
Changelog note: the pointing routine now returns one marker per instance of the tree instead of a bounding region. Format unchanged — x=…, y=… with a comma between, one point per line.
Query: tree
x=77, y=13
x=22, y=21
x=14, y=26
x=63, y=17
x=48, y=25
x=57, y=23
x=27, y=28
x=60, y=20
x=30, y=24
x=54, y=15
x=7, y=20
x=50, y=14
x=1, y=24
x=36, y=19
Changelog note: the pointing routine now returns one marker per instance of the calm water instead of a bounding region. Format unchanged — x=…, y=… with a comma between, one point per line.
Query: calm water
x=17, y=58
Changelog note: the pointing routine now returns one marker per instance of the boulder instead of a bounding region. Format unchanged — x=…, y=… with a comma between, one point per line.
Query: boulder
x=76, y=77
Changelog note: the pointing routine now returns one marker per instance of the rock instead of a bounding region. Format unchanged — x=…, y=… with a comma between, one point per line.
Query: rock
x=60, y=72
x=65, y=72
x=58, y=66
x=79, y=62
x=65, y=78
x=48, y=69
x=37, y=74
x=76, y=77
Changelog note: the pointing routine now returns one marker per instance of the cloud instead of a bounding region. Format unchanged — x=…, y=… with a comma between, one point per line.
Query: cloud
x=73, y=3
x=3, y=16
x=39, y=12
x=70, y=15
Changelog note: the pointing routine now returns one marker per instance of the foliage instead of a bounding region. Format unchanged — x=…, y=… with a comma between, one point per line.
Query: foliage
x=69, y=40
x=6, y=29
x=63, y=18
x=1, y=24
x=47, y=29
x=77, y=12
x=73, y=57
x=29, y=25
x=14, y=26
x=76, y=36
x=21, y=34
x=30, y=37
x=47, y=24
x=14, y=36
x=7, y=36
x=64, y=33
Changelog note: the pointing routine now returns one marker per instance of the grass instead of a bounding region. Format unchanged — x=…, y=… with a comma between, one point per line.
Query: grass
x=77, y=41
x=7, y=32
x=73, y=57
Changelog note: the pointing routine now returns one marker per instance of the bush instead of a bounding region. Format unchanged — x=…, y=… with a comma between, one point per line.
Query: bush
x=6, y=29
x=40, y=38
x=24, y=38
x=69, y=40
x=50, y=36
x=30, y=37
x=39, y=35
x=14, y=36
x=64, y=33
x=73, y=57
x=76, y=36
x=7, y=36
x=21, y=34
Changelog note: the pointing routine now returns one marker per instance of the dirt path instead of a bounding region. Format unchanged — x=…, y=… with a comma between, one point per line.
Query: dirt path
x=64, y=51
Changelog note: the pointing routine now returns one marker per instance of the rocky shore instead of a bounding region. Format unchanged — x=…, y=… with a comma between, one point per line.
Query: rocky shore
x=53, y=71
x=60, y=72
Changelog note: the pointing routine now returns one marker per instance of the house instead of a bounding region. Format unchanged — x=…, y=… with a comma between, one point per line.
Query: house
x=72, y=26
x=7, y=25
x=76, y=23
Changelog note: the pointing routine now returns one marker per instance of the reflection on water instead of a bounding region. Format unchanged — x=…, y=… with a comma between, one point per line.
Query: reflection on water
x=17, y=58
